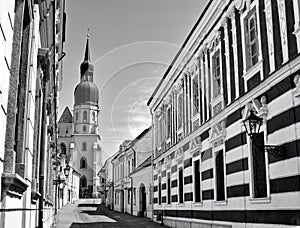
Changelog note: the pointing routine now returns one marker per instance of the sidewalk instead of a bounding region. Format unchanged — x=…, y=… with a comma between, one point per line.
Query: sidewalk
x=88, y=214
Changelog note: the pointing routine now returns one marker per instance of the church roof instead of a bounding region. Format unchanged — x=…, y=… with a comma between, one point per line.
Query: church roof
x=66, y=116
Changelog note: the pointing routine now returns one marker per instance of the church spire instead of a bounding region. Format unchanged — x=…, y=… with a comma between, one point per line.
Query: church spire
x=87, y=47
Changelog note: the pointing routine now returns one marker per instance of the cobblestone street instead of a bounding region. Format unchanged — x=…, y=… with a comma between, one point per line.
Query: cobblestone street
x=89, y=214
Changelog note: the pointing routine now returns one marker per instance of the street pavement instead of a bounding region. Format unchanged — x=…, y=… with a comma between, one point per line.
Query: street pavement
x=88, y=213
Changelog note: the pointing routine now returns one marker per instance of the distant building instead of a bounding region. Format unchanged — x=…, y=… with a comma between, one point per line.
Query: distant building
x=239, y=63
x=79, y=134
x=130, y=155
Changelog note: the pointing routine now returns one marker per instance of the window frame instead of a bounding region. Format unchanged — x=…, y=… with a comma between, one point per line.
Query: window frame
x=249, y=69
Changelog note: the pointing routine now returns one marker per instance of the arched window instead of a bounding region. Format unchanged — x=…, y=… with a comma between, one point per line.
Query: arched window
x=63, y=148
x=83, y=164
x=83, y=182
x=84, y=128
x=84, y=116
x=77, y=116
x=84, y=146
x=94, y=116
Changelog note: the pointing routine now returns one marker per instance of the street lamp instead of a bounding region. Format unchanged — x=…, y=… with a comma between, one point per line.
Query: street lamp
x=252, y=125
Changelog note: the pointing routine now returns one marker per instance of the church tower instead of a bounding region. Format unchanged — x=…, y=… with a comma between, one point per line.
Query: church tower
x=86, y=156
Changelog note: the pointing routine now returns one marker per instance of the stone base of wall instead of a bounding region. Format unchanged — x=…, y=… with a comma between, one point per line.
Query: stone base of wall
x=177, y=222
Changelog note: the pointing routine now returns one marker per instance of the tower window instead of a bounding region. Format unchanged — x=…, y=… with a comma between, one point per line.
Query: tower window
x=77, y=116
x=83, y=163
x=84, y=129
x=94, y=116
x=93, y=130
x=84, y=146
x=84, y=116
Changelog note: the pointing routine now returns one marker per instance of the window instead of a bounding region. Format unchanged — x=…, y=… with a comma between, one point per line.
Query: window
x=93, y=130
x=93, y=116
x=180, y=186
x=197, y=181
x=84, y=116
x=84, y=146
x=83, y=164
x=134, y=196
x=252, y=39
x=216, y=74
x=67, y=131
x=83, y=182
x=169, y=122
x=159, y=190
x=128, y=196
x=84, y=129
x=77, y=116
x=128, y=167
x=259, y=173
x=169, y=188
x=195, y=95
x=180, y=110
x=220, y=178
x=63, y=148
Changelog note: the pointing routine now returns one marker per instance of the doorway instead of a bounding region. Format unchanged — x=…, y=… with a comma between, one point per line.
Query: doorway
x=143, y=202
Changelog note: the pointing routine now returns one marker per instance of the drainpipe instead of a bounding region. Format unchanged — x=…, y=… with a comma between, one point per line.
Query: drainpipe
x=152, y=171
x=131, y=203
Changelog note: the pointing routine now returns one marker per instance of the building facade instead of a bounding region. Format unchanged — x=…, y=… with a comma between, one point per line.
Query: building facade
x=131, y=155
x=31, y=82
x=79, y=134
x=240, y=60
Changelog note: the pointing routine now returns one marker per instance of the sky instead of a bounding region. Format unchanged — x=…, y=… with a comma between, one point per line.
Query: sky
x=132, y=43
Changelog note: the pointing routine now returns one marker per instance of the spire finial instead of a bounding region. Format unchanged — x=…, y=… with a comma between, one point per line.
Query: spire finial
x=88, y=33
x=87, y=48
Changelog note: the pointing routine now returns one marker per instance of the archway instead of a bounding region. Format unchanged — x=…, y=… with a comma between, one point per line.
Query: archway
x=83, y=187
x=142, y=198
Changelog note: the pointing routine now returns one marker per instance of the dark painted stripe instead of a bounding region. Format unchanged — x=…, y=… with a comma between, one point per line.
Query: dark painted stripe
x=187, y=163
x=284, y=217
x=174, y=184
x=163, y=173
x=155, y=200
x=264, y=38
x=237, y=166
x=238, y=190
x=173, y=168
x=224, y=72
x=174, y=198
x=290, y=21
x=233, y=117
x=188, y=196
x=291, y=149
x=164, y=199
x=188, y=179
x=164, y=186
x=285, y=184
x=240, y=53
x=208, y=194
x=235, y=141
x=155, y=177
x=204, y=135
x=155, y=189
x=231, y=60
x=280, y=88
x=207, y=174
x=284, y=119
x=207, y=154
x=253, y=81
x=276, y=36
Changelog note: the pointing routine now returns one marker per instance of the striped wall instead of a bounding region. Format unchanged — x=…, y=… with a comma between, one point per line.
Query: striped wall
x=274, y=87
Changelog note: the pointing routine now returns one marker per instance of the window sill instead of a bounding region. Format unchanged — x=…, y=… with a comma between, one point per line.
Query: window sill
x=197, y=204
x=180, y=204
x=13, y=184
x=253, y=70
x=220, y=203
x=260, y=200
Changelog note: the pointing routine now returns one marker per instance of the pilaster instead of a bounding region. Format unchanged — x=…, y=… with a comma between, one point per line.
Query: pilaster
x=269, y=22
x=283, y=29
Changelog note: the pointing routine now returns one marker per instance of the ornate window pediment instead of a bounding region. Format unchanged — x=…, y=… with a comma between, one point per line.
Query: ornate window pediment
x=217, y=133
